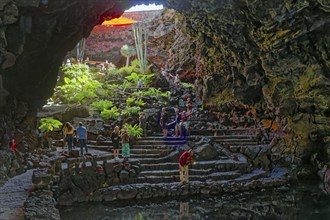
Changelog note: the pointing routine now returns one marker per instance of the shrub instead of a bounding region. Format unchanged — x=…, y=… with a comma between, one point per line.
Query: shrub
x=78, y=85
x=49, y=124
x=129, y=101
x=140, y=102
x=112, y=113
x=134, y=131
x=130, y=111
x=100, y=105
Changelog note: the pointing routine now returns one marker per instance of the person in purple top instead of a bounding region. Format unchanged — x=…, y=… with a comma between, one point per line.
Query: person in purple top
x=82, y=138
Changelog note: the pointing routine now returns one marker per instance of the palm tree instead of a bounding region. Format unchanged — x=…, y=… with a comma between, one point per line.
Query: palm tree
x=127, y=51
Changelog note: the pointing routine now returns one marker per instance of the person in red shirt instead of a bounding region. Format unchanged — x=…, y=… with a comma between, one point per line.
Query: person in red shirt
x=184, y=161
x=12, y=145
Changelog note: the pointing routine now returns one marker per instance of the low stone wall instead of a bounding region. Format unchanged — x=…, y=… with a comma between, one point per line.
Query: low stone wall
x=147, y=191
x=81, y=179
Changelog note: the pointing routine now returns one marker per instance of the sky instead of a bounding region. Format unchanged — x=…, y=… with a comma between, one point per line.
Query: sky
x=146, y=7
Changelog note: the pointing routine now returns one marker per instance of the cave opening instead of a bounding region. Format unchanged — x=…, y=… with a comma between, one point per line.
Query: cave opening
x=261, y=85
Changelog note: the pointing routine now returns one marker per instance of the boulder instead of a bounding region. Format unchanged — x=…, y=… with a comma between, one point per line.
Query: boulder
x=206, y=152
x=71, y=112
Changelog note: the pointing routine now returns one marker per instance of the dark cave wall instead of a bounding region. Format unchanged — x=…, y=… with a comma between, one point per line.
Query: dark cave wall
x=269, y=54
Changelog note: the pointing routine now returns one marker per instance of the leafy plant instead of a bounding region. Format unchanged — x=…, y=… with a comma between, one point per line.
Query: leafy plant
x=134, y=131
x=78, y=85
x=140, y=102
x=134, y=77
x=129, y=101
x=112, y=113
x=153, y=92
x=49, y=124
x=113, y=71
x=134, y=67
x=130, y=111
x=126, y=85
x=102, y=104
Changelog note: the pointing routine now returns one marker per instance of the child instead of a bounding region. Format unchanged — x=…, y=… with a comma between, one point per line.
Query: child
x=125, y=150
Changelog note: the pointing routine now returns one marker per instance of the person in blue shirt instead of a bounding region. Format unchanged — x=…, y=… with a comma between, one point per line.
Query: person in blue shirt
x=82, y=138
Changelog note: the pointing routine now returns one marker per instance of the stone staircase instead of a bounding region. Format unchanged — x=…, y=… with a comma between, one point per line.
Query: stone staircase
x=156, y=165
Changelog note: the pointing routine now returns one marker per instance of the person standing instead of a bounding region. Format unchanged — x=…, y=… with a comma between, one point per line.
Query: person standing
x=142, y=123
x=68, y=134
x=163, y=121
x=125, y=150
x=82, y=138
x=115, y=138
x=184, y=160
x=177, y=128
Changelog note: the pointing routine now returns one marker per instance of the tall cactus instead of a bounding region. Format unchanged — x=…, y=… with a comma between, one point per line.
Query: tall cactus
x=80, y=49
x=141, y=39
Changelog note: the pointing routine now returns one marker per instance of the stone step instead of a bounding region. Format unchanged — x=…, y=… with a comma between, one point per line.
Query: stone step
x=161, y=142
x=157, y=146
x=175, y=172
x=202, y=178
x=135, y=150
x=229, y=136
x=231, y=140
x=229, y=131
x=220, y=165
x=158, y=138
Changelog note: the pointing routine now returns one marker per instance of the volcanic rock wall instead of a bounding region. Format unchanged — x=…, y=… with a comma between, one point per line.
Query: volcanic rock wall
x=269, y=54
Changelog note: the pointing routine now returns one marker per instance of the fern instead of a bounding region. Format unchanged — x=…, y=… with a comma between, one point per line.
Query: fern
x=129, y=101
x=112, y=113
x=134, y=131
x=140, y=102
x=49, y=124
x=100, y=105
x=130, y=111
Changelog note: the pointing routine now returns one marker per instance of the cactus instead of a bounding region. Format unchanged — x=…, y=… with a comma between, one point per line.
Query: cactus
x=141, y=39
x=80, y=49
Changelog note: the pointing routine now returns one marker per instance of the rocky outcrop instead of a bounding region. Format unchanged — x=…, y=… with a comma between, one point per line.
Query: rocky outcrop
x=41, y=205
x=263, y=53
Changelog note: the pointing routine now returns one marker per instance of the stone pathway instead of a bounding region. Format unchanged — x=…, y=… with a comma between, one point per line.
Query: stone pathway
x=13, y=195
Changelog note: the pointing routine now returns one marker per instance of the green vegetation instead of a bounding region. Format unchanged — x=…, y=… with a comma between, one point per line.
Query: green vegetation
x=130, y=111
x=153, y=92
x=127, y=51
x=112, y=113
x=49, y=124
x=78, y=85
x=134, y=130
x=102, y=104
x=141, y=39
x=108, y=96
x=130, y=101
x=139, y=102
